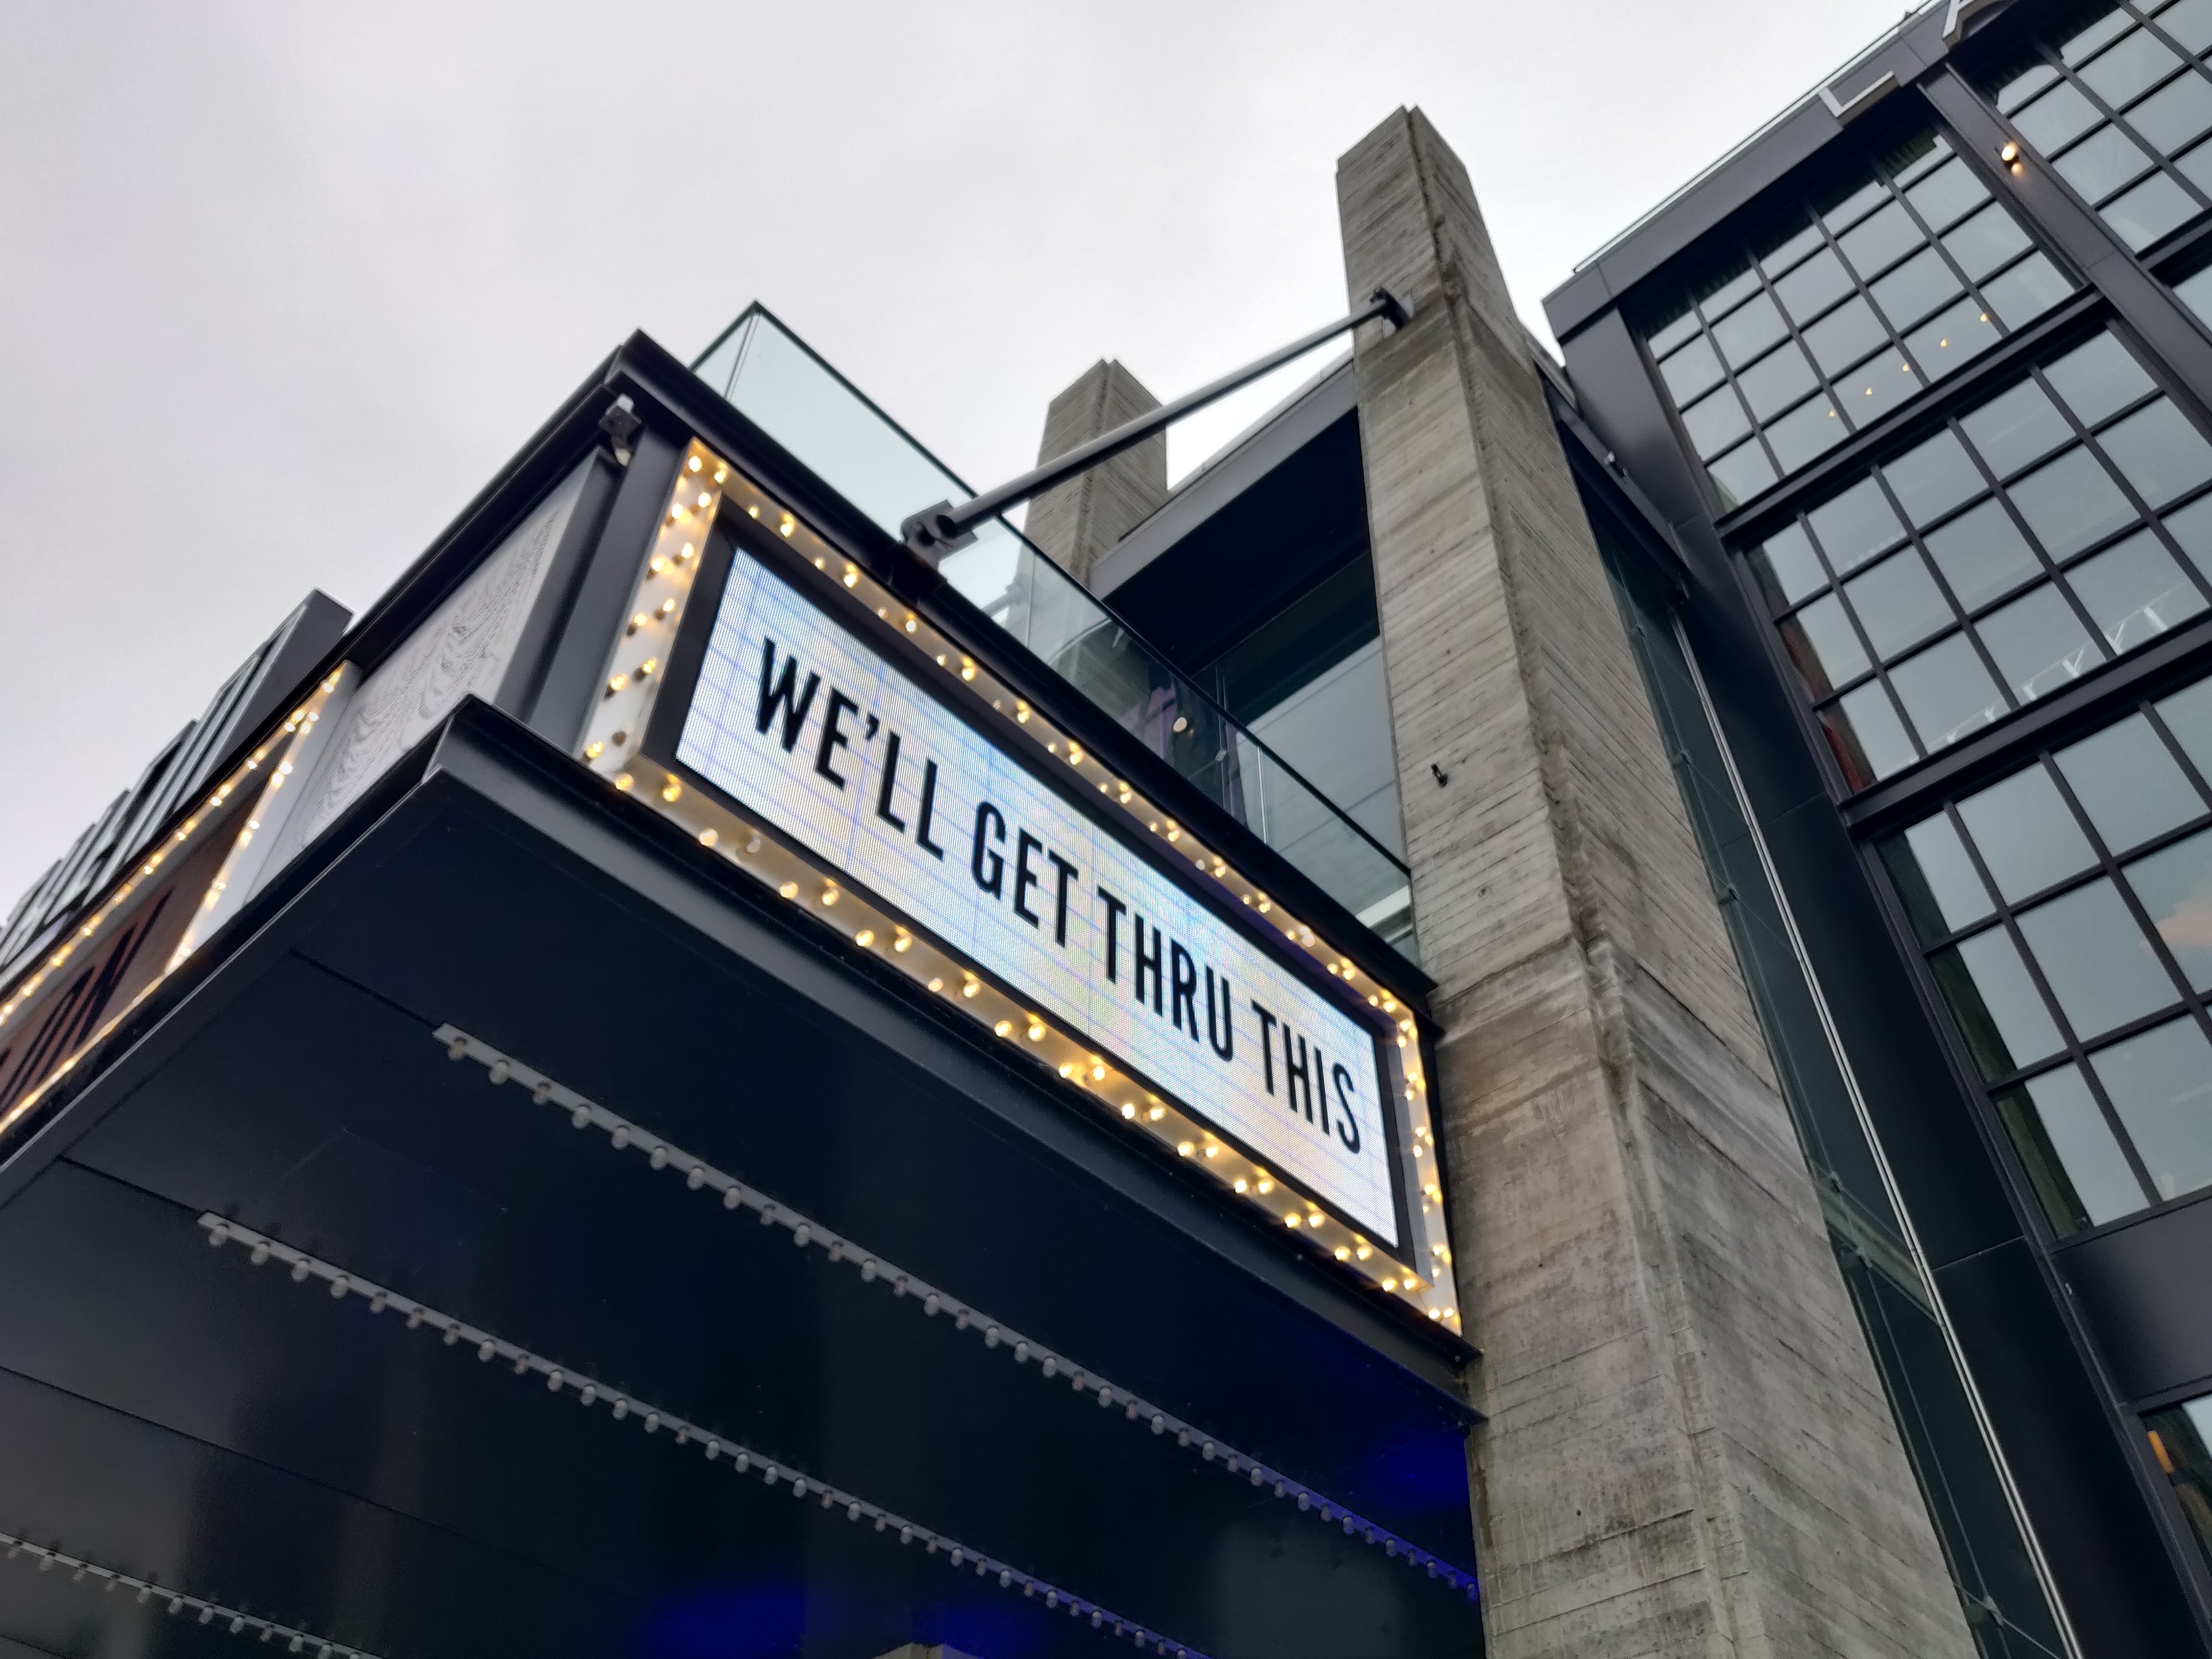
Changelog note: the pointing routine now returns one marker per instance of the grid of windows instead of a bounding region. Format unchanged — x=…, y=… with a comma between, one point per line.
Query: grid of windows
x=1871, y=294
x=2181, y=1440
x=2121, y=106
x=2063, y=521
x=2067, y=916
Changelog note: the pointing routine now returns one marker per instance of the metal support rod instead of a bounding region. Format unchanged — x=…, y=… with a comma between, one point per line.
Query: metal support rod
x=936, y=531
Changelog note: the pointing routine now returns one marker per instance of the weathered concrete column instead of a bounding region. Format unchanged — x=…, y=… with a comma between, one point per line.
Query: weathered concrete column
x=1079, y=521
x=1688, y=1450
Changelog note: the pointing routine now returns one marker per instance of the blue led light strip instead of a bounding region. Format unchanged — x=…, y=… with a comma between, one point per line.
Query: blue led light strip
x=699, y=1175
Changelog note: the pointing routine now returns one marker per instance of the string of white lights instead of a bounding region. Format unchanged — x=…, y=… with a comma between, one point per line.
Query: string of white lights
x=682, y=1431
x=236, y=1620
x=997, y=1334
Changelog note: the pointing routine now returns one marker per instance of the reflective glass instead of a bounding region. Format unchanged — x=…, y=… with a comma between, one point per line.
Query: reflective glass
x=1983, y=555
x=2175, y=886
x=1693, y=369
x=2178, y=1437
x=1953, y=336
x=1855, y=207
x=1914, y=288
x=1854, y=526
x=2071, y=503
x=2134, y=591
x=2190, y=23
x=1868, y=737
x=1947, y=194
x=2024, y=86
x=2102, y=163
x=1918, y=156
x=1985, y=241
x=2161, y=1086
x=1776, y=381
x=1715, y=422
x=2026, y=291
x=1930, y=480
x=2000, y=1012
x=1814, y=286
x=2129, y=69
x=2039, y=643
x=2131, y=785
x=1806, y=431
x=1898, y=604
x=1936, y=879
x=2096, y=960
x=2025, y=834
x=2173, y=115
x=1728, y=295
x=2187, y=717
x=1665, y=339
x=1779, y=259
x=1881, y=241
x=2149, y=210
x=1749, y=330
x=2012, y=429
x=2159, y=452
x=1786, y=567
x=2196, y=166
x=2062, y=113
x=1742, y=473
x=1946, y=693
x=2096, y=379
x=2191, y=527
x=1875, y=386
x=1822, y=644
x=1845, y=335
x=2196, y=292
x=2077, y=47
x=2073, y=1159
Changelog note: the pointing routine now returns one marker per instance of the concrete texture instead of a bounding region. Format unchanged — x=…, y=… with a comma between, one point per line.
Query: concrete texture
x=1079, y=521
x=1689, y=1450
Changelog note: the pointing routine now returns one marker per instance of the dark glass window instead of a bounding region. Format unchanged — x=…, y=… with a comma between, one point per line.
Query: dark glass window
x=2179, y=1440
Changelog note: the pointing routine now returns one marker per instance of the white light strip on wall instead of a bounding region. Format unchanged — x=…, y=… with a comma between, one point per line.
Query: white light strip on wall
x=683, y=1433
x=236, y=1620
x=807, y=1233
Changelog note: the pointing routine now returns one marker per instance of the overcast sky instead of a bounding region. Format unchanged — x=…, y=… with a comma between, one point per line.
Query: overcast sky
x=281, y=286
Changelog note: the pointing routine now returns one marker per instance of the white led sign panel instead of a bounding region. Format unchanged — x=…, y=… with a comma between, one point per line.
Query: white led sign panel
x=842, y=751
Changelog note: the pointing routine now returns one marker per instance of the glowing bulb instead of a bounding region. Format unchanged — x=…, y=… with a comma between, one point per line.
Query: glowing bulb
x=695, y=463
x=624, y=782
x=789, y=889
x=1036, y=1031
x=829, y=895
x=1129, y=1109
x=1157, y=1112
x=1241, y=1184
x=1185, y=1148
x=708, y=837
x=672, y=791
x=1004, y=1028
x=2009, y=153
x=865, y=938
x=593, y=751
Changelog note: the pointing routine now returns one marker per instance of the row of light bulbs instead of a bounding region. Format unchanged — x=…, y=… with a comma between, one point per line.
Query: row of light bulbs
x=663, y=1154
x=682, y=1432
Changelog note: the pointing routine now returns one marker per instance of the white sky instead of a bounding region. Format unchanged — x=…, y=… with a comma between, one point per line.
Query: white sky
x=282, y=286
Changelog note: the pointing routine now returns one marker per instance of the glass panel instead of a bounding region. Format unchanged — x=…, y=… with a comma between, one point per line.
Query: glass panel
x=2102, y=163
x=2159, y=452
x=1946, y=692
x=2040, y=643
x=1868, y=737
x=1985, y=241
x=2173, y=115
x=1693, y=369
x=1954, y=337
x=1914, y=288
x=1730, y=294
x=2078, y=46
x=2196, y=292
x=2192, y=527
x=1781, y=259
x=1999, y=1010
x=1826, y=651
x=1983, y=555
x=1845, y=335
x=2161, y=1085
x=2175, y=886
x=1716, y=422
x=1814, y=286
x=2188, y=716
x=2178, y=1439
x=1742, y=474
x=2074, y=1160
x=2149, y=210
x=2134, y=591
x=1776, y=381
x=1855, y=207
x=1947, y=194
x=1854, y=526
x=1749, y=330
x=1664, y=340
x=1876, y=387
x=2026, y=291
x=2190, y=23
x=2097, y=379
x=1915, y=159
x=1881, y=241
x=1898, y=604
x=2016, y=427
x=2130, y=69
x=2097, y=960
x=1937, y=880
x=2025, y=834
x=2131, y=787
x=2025, y=85
x=1932, y=479
x=2062, y=113
x=2196, y=166
x=1786, y=567
x=2071, y=503
x=1809, y=430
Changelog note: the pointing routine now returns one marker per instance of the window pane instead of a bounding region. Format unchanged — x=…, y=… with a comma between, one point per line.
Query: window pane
x=1932, y=479
x=1985, y=241
x=1845, y=335
x=2161, y=1085
x=2061, y=114
x=1868, y=737
x=1936, y=879
x=1665, y=339
x=2097, y=960
x=1881, y=241
x=1779, y=259
x=2196, y=292
x=1749, y=330
x=2026, y=291
x=1855, y=207
x=2024, y=86
x=2149, y=210
x=1898, y=604
x=1742, y=474
x=2190, y=23
x=1914, y=288
x=1715, y=422
x=2097, y=379
x=2159, y=452
x=2071, y=503
x=2134, y=591
x=1875, y=386
x=2101, y=163
x=1946, y=693
x=2175, y=885
x=1826, y=650
x=2000, y=1012
x=1854, y=526
x=1983, y=555
x=1806, y=431
x=2074, y=1160
x=2192, y=527
x=1954, y=337
x=2025, y=834
x=1947, y=194
x=2130, y=69
x=1786, y=568
x=1776, y=381
x=2188, y=716
x=2177, y=1438
x=1728, y=295
x=2040, y=643
x=1695, y=369
x=2131, y=785
x=2012, y=429
x=2196, y=166
x=2079, y=46
x=2174, y=114
x=1814, y=286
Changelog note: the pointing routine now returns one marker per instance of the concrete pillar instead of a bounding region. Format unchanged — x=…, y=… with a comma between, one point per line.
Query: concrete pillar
x=1689, y=1450
x=1079, y=521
